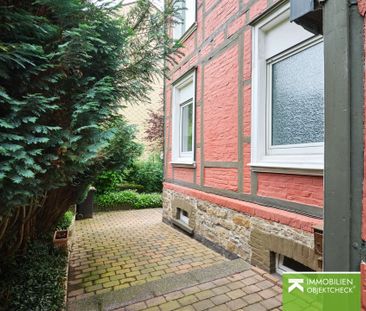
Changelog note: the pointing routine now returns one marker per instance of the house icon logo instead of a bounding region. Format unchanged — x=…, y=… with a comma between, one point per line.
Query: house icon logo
x=296, y=283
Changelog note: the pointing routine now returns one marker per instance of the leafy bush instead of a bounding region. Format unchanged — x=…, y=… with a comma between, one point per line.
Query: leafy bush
x=148, y=200
x=108, y=181
x=66, y=220
x=128, y=199
x=148, y=173
x=130, y=186
x=34, y=281
x=142, y=176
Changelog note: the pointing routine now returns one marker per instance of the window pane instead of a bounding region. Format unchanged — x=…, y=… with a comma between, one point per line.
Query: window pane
x=180, y=20
x=186, y=127
x=298, y=98
x=190, y=16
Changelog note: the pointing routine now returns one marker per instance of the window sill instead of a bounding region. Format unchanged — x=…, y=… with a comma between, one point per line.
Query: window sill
x=182, y=226
x=316, y=170
x=191, y=164
x=188, y=33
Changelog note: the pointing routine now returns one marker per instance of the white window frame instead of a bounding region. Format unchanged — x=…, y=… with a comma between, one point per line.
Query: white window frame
x=180, y=27
x=182, y=217
x=280, y=267
x=180, y=157
x=273, y=40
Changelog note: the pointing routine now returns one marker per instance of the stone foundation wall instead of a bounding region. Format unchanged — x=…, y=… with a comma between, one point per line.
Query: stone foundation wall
x=254, y=239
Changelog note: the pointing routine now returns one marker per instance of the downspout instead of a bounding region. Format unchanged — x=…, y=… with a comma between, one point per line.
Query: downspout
x=344, y=138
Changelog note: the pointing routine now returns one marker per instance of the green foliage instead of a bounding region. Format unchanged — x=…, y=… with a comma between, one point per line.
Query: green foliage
x=148, y=200
x=108, y=181
x=119, y=157
x=34, y=281
x=128, y=199
x=130, y=186
x=65, y=66
x=66, y=220
x=147, y=173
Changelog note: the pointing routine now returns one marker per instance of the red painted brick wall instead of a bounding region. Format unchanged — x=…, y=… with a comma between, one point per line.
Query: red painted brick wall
x=214, y=49
x=300, y=189
x=223, y=178
x=221, y=107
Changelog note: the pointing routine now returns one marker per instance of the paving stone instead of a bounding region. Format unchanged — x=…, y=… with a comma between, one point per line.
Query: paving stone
x=235, y=285
x=205, y=294
x=251, y=289
x=265, y=284
x=207, y=285
x=136, y=307
x=221, y=290
x=267, y=293
x=236, y=304
x=255, y=307
x=131, y=246
x=203, y=305
x=187, y=308
x=171, y=305
x=271, y=303
x=174, y=295
x=93, y=288
x=220, y=308
x=188, y=300
x=252, y=298
x=119, y=250
x=109, y=284
x=155, y=301
x=220, y=299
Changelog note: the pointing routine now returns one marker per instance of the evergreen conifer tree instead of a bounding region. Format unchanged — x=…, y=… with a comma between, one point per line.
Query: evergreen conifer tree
x=65, y=68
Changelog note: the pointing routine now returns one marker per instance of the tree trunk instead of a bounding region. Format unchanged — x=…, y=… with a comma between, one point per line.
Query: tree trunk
x=34, y=220
x=57, y=203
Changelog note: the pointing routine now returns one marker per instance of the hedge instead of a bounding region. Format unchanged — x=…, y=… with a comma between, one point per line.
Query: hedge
x=128, y=200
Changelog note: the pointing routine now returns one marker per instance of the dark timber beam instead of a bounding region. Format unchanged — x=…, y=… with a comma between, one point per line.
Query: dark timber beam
x=343, y=48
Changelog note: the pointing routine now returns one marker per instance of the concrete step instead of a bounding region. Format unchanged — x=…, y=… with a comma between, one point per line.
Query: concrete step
x=134, y=294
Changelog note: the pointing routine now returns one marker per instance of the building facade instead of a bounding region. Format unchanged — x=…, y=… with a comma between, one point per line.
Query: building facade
x=264, y=132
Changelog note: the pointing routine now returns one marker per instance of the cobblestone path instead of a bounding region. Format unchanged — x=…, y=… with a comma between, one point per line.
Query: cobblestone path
x=131, y=260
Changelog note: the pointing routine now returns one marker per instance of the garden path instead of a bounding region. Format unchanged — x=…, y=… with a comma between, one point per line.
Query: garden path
x=131, y=260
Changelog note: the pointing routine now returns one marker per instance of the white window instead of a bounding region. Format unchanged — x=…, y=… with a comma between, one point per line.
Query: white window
x=187, y=17
x=183, y=216
x=286, y=264
x=288, y=95
x=184, y=120
x=281, y=267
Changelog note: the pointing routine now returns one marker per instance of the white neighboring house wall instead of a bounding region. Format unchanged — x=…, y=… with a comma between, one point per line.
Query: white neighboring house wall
x=137, y=114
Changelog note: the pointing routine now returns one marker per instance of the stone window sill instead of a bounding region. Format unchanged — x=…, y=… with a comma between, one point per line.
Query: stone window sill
x=285, y=170
x=182, y=226
x=184, y=164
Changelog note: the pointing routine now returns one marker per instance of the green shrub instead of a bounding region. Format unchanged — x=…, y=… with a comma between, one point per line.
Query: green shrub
x=128, y=199
x=66, y=220
x=108, y=181
x=130, y=186
x=148, y=200
x=148, y=173
x=34, y=281
x=114, y=200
